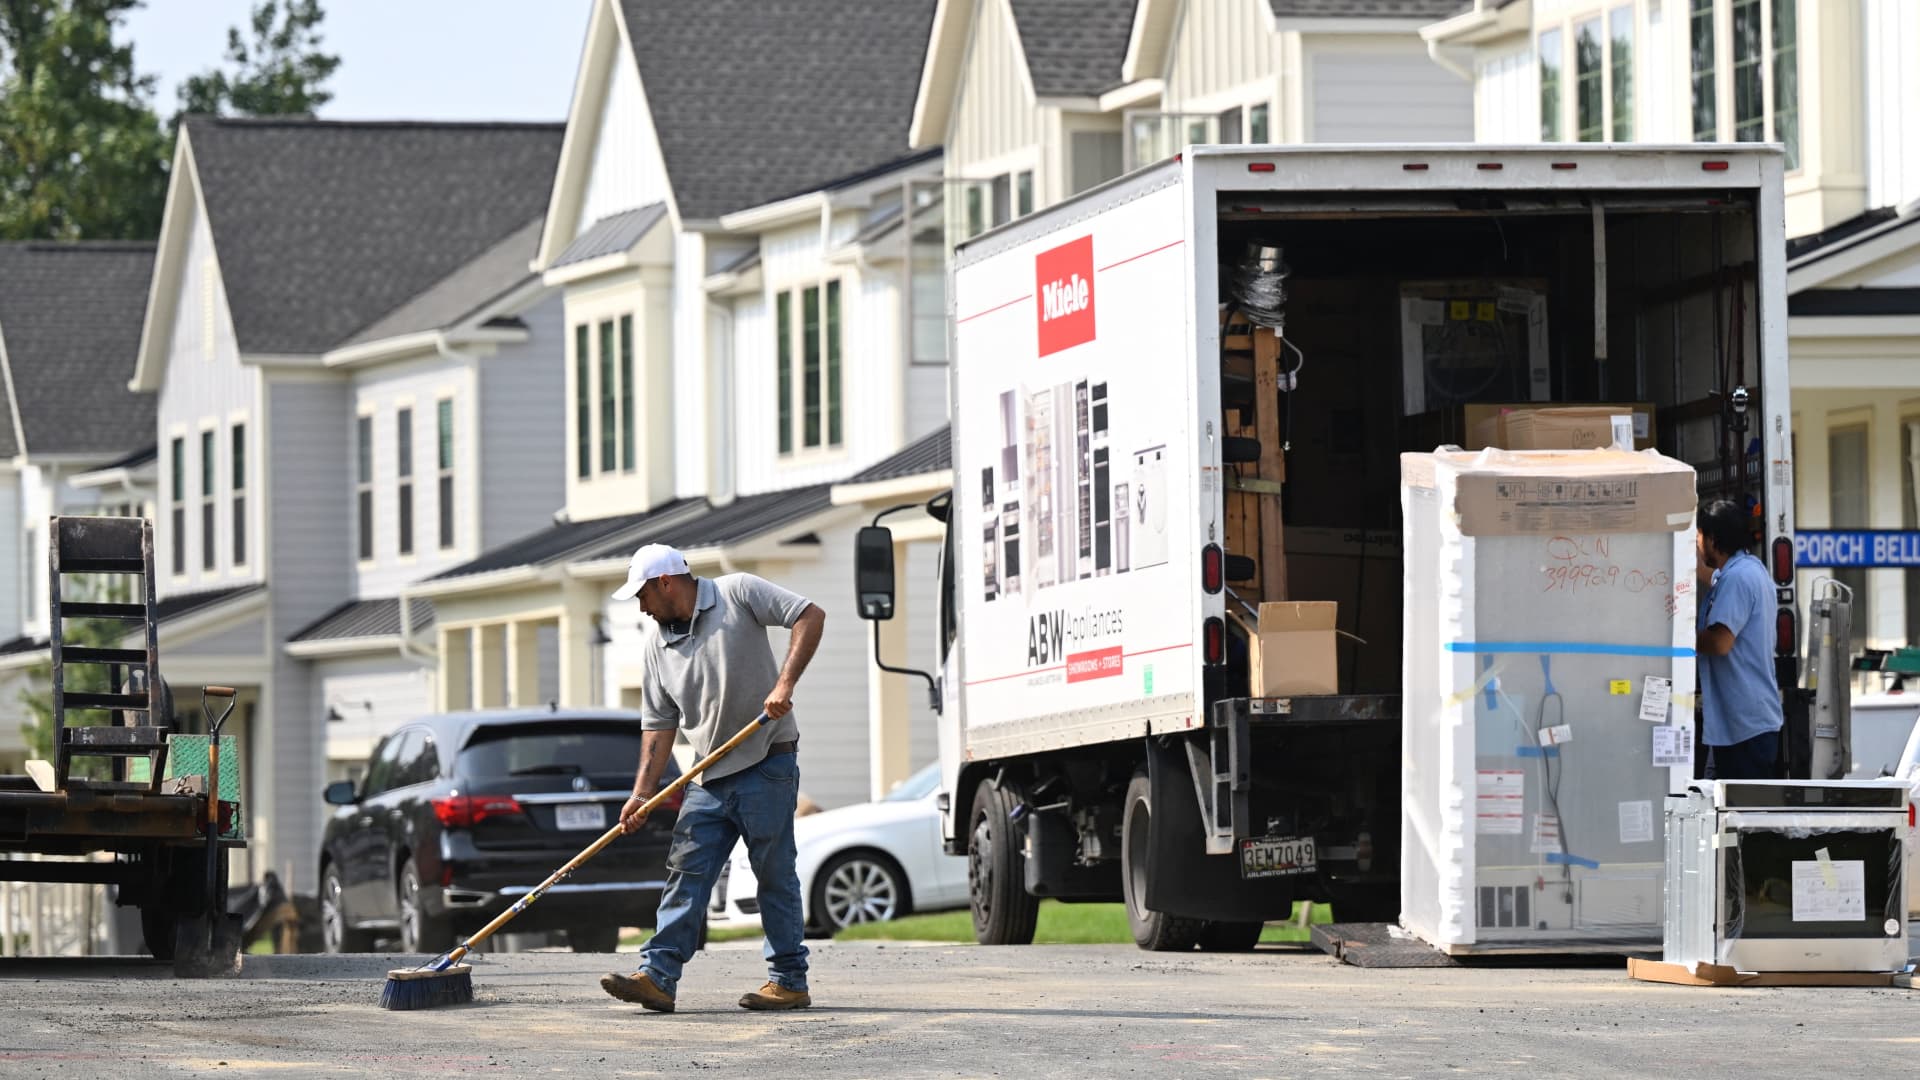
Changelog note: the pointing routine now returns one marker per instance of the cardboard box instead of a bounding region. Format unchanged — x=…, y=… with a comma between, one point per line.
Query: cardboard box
x=1560, y=492
x=1720, y=975
x=1555, y=427
x=1295, y=650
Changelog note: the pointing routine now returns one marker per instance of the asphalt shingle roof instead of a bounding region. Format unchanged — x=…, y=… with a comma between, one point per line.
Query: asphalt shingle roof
x=365, y=618
x=567, y=540
x=758, y=100
x=1074, y=48
x=164, y=610
x=929, y=454
x=324, y=228
x=1366, y=9
x=495, y=273
x=744, y=518
x=613, y=234
x=1839, y=232
x=70, y=315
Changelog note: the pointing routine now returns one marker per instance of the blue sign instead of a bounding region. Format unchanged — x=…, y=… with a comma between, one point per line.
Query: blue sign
x=1848, y=548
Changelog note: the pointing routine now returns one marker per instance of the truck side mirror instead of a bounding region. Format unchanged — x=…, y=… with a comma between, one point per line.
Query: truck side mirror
x=339, y=793
x=940, y=507
x=873, y=572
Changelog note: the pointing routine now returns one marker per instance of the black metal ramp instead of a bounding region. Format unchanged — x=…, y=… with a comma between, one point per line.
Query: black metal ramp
x=1378, y=945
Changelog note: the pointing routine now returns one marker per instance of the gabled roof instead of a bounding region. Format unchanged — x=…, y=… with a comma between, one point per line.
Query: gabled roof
x=931, y=453
x=566, y=540
x=612, y=235
x=1812, y=245
x=365, y=619
x=165, y=610
x=756, y=100
x=746, y=518
x=70, y=316
x=464, y=292
x=1368, y=9
x=1074, y=48
x=323, y=228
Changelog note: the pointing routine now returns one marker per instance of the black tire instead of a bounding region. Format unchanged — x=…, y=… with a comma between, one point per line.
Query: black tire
x=419, y=931
x=1004, y=912
x=594, y=939
x=1231, y=936
x=859, y=886
x=337, y=932
x=158, y=925
x=1154, y=931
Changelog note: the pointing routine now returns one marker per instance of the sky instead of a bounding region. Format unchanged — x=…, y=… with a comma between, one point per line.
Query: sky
x=399, y=59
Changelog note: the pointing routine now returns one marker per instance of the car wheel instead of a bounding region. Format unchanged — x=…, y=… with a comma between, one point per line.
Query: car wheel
x=337, y=934
x=859, y=887
x=594, y=939
x=419, y=931
x=1155, y=931
x=1004, y=912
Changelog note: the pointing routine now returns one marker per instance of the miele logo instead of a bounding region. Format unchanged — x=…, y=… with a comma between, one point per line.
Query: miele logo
x=1063, y=284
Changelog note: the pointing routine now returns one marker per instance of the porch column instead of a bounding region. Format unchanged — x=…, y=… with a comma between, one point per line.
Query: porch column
x=523, y=663
x=889, y=713
x=579, y=605
x=490, y=661
x=456, y=670
x=1886, y=504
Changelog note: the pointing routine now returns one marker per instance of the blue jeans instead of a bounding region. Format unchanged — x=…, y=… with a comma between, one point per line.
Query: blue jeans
x=756, y=805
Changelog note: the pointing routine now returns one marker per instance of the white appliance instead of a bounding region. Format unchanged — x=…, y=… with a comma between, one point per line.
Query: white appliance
x=1788, y=875
x=1148, y=538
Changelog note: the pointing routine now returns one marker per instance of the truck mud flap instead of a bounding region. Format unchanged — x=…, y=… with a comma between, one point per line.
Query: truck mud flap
x=1182, y=879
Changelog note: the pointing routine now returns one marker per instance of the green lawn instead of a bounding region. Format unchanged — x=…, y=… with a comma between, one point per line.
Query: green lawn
x=1060, y=924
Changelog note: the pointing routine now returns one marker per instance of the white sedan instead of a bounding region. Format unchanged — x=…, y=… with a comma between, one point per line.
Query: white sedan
x=867, y=863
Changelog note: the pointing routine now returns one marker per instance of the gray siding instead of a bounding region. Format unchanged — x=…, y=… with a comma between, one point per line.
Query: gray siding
x=381, y=393
x=523, y=421
x=1376, y=97
x=247, y=639
x=310, y=573
x=375, y=695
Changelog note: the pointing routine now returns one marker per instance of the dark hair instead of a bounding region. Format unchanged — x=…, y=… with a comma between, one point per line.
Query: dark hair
x=1723, y=522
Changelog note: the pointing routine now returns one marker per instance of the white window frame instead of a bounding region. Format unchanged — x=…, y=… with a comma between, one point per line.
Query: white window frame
x=366, y=498
x=1725, y=95
x=795, y=290
x=240, y=501
x=446, y=471
x=209, y=501
x=1567, y=123
x=406, y=453
x=178, y=567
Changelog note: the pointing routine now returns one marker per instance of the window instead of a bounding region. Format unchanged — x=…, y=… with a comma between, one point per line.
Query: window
x=1097, y=158
x=1550, y=64
x=1749, y=102
x=1257, y=125
x=1620, y=70
x=810, y=376
x=208, y=559
x=1230, y=126
x=1706, y=124
x=1589, y=74
x=444, y=411
x=609, y=406
x=1001, y=188
x=976, y=211
x=363, y=483
x=39, y=569
x=239, y=462
x=1023, y=193
x=421, y=763
x=1848, y=507
x=1786, y=81
x=627, y=451
x=582, y=404
x=403, y=439
x=385, y=771
x=177, y=496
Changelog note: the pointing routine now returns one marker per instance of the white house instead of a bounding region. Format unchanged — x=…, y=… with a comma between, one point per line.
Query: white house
x=1835, y=84
x=730, y=228
x=336, y=310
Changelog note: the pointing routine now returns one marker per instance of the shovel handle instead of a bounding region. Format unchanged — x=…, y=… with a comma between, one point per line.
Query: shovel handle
x=597, y=846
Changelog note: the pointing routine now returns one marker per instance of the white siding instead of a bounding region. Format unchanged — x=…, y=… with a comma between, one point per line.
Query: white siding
x=373, y=694
x=1377, y=96
x=689, y=364
x=381, y=393
x=1507, y=99
x=205, y=384
x=627, y=169
x=522, y=462
x=246, y=639
x=1893, y=101
x=994, y=115
x=13, y=564
x=919, y=588
x=1221, y=45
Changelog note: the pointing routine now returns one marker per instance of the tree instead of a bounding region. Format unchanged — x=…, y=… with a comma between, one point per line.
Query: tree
x=82, y=153
x=37, y=697
x=281, y=73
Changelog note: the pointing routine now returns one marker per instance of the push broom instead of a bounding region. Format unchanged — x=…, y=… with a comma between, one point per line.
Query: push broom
x=446, y=981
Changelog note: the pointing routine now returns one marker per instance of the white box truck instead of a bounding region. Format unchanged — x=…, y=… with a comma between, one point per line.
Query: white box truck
x=1120, y=506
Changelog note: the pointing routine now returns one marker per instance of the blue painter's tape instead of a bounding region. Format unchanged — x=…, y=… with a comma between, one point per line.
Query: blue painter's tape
x=1558, y=859
x=1566, y=648
x=1536, y=751
x=1546, y=672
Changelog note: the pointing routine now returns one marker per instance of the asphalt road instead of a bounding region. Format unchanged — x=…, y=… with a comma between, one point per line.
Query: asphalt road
x=895, y=1010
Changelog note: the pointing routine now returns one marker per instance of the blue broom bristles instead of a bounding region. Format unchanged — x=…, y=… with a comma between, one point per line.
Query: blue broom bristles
x=414, y=989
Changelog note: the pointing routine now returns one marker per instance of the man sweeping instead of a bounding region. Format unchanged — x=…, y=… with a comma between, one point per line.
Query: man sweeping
x=710, y=670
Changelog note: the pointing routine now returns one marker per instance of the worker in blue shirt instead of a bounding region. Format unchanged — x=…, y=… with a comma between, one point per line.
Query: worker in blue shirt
x=1739, y=695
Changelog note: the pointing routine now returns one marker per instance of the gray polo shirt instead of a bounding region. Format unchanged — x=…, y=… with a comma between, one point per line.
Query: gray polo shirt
x=713, y=679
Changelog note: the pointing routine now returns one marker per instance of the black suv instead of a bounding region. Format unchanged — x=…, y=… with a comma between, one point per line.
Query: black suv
x=460, y=815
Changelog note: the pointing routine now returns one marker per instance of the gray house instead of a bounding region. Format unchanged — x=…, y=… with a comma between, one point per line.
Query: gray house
x=337, y=311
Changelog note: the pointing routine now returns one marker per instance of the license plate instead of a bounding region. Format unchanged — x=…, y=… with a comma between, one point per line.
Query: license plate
x=1277, y=856
x=580, y=816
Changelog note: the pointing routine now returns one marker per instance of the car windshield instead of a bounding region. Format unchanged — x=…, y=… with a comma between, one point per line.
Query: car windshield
x=918, y=786
x=552, y=750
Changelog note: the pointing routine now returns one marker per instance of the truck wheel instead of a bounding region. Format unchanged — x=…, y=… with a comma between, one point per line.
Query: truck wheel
x=1004, y=912
x=1155, y=931
x=157, y=924
x=1231, y=936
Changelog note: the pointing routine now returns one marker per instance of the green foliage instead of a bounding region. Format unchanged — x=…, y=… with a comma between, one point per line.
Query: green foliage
x=82, y=153
x=280, y=72
x=37, y=697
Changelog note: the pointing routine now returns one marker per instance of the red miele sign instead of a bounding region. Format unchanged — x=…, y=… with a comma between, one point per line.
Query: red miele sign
x=1063, y=291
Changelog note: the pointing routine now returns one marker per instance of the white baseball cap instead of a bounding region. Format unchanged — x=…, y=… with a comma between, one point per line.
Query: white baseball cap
x=652, y=561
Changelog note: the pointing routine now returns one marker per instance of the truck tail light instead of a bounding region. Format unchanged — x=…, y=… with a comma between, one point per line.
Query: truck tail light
x=1212, y=569
x=1786, y=632
x=466, y=811
x=1260, y=166
x=1782, y=561
x=1215, y=635
x=1713, y=166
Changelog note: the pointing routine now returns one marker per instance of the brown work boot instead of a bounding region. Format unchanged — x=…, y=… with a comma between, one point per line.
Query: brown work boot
x=773, y=997
x=638, y=988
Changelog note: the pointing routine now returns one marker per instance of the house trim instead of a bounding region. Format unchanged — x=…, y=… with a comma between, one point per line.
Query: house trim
x=156, y=330
x=1150, y=40
x=13, y=400
x=940, y=72
x=1822, y=265
x=900, y=487
x=314, y=650
x=509, y=578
